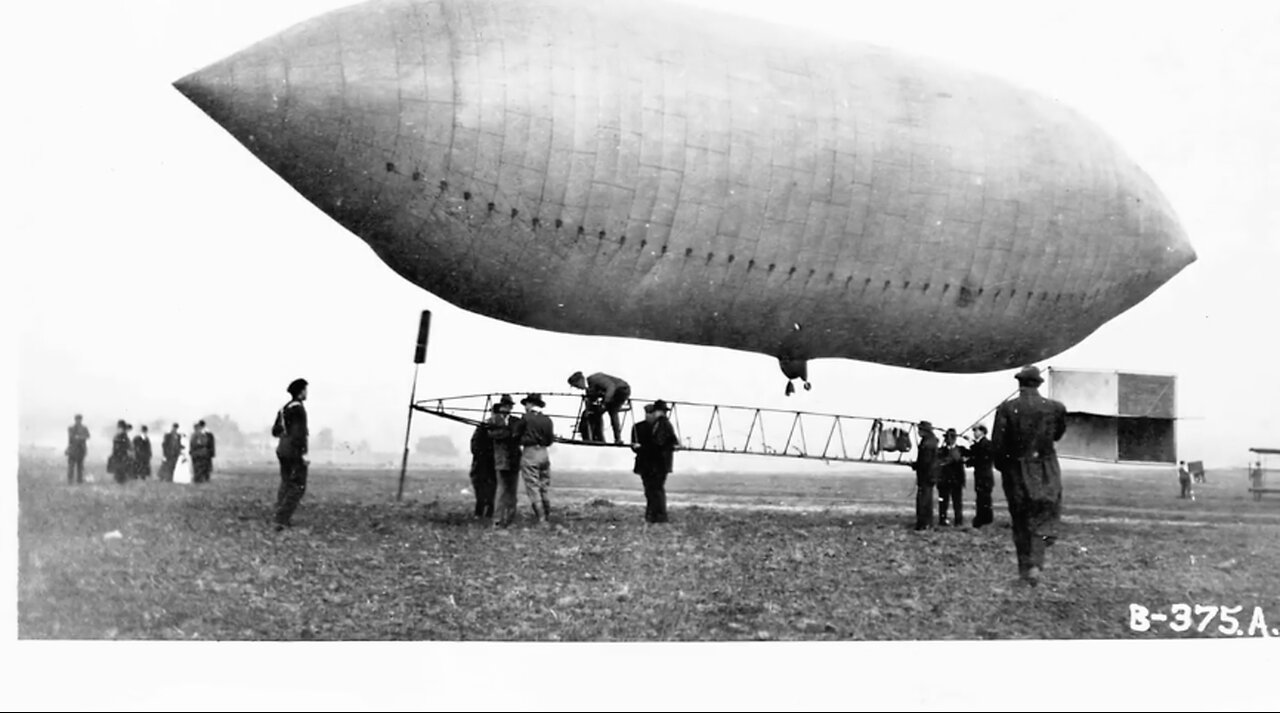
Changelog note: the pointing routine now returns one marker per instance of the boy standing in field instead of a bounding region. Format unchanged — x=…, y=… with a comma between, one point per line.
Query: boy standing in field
x=1184, y=479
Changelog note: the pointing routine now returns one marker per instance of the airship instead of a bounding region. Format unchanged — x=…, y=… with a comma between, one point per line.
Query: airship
x=658, y=171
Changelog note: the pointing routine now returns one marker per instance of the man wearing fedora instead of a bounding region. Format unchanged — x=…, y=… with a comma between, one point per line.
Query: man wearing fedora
x=610, y=392
x=203, y=450
x=291, y=428
x=655, y=444
x=1026, y=428
x=926, y=459
x=502, y=428
x=536, y=434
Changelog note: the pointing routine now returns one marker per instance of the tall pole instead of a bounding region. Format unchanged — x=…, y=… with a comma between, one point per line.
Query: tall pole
x=419, y=356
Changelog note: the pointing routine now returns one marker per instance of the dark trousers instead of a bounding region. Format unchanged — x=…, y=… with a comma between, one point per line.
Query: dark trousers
x=924, y=505
x=165, y=472
x=1186, y=489
x=592, y=426
x=1032, y=522
x=293, y=485
x=620, y=399
x=485, y=485
x=200, y=469
x=75, y=469
x=594, y=423
x=655, y=496
x=951, y=491
x=983, y=484
x=508, y=482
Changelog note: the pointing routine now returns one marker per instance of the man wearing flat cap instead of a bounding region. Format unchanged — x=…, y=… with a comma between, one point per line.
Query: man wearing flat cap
x=1022, y=440
x=536, y=433
x=655, y=444
x=203, y=450
x=926, y=459
x=502, y=427
x=610, y=393
x=291, y=428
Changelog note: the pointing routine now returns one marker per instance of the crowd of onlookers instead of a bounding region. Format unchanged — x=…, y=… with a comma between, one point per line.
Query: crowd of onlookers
x=184, y=459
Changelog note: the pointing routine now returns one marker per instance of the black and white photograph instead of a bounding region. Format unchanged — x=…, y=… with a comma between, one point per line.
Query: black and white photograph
x=621, y=355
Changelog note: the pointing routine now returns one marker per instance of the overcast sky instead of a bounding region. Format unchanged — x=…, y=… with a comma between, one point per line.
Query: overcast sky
x=154, y=254
x=157, y=254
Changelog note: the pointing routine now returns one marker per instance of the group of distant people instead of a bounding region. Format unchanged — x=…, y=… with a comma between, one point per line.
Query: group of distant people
x=506, y=449
x=1022, y=449
x=130, y=457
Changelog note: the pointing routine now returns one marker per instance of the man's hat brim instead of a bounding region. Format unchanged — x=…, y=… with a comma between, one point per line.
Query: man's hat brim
x=1029, y=374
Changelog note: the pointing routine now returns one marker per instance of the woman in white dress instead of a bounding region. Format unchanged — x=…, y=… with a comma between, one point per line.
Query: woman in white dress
x=182, y=469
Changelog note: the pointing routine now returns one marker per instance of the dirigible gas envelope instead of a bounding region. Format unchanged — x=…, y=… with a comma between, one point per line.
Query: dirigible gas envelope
x=651, y=170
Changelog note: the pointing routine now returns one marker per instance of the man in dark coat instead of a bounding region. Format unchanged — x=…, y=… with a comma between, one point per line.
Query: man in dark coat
x=926, y=456
x=502, y=427
x=610, y=392
x=536, y=433
x=950, y=478
x=484, y=479
x=655, y=444
x=170, y=448
x=142, y=455
x=203, y=450
x=1026, y=428
x=291, y=428
x=77, y=447
x=120, y=464
x=984, y=479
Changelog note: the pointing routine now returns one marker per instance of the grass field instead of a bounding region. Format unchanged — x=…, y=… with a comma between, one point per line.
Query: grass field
x=746, y=557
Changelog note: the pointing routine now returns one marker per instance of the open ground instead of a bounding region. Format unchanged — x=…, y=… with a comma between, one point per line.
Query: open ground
x=746, y=557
